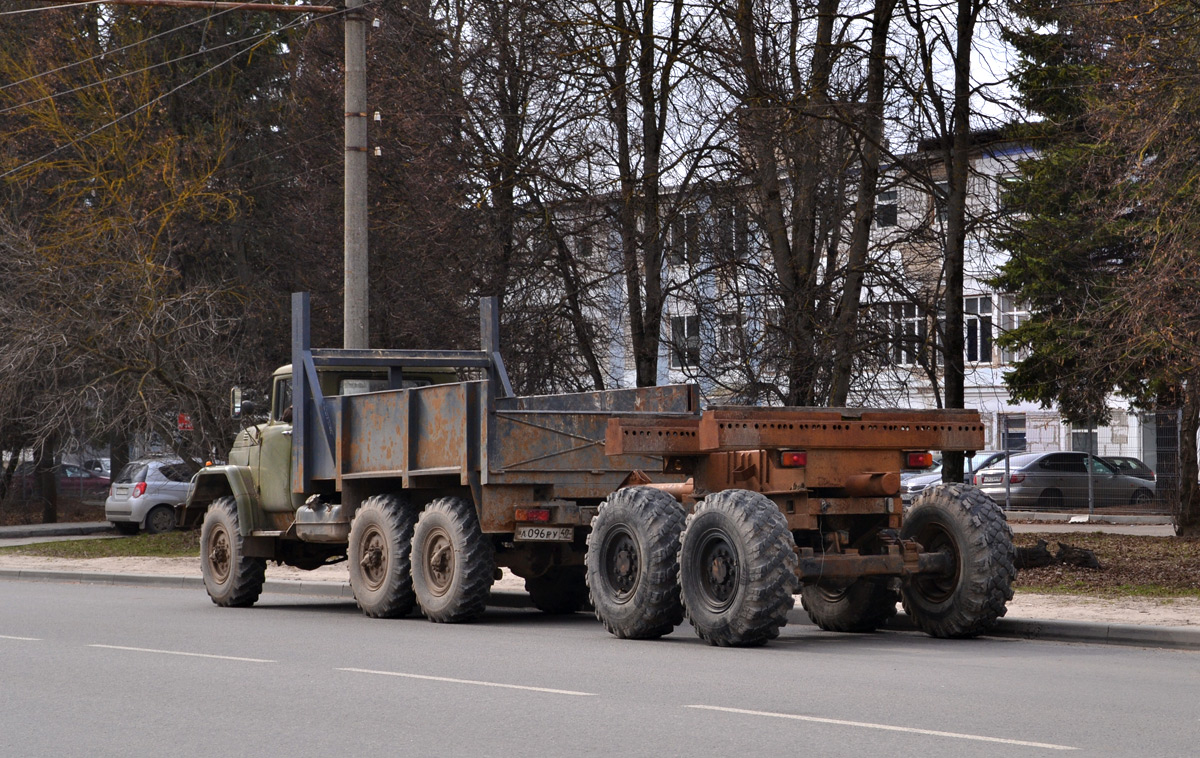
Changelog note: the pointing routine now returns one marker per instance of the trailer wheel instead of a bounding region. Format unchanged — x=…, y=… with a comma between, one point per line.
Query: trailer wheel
x=562, y=589
x=453, y=563
x=862, y=606
x=633, y=565
x=379, y=557
x=232, y=579
x=965, y=523
x=737, y=569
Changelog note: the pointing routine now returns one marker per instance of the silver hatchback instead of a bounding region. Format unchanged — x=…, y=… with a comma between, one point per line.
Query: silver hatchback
x=1050, y=481
x=145, y=493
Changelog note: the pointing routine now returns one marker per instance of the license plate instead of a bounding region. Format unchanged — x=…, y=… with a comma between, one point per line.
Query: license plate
x=544, y=534
x=991, y=478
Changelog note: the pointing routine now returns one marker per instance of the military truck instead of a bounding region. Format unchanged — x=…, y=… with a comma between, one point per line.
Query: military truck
x=427, y=474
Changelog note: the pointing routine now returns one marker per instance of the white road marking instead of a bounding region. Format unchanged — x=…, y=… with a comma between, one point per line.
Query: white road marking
x=887, y=727
x=471, y=681
x=177, y=652
x=23, y=639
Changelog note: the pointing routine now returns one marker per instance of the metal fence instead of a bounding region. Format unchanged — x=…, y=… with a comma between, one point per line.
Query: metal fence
x=1080, y=479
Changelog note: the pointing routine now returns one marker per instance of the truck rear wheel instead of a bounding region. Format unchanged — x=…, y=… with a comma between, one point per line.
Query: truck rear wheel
x=737, y=568
x=453, y=563
x=562, y=589
x=963, y=522
x=380, y=557
x=231, y=578
x=862, y=606
x=633, y=564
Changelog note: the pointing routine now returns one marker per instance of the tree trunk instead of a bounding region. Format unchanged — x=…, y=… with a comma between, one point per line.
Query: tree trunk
x=1186, y=509
x=957, y=168
x=47, y=479
x=864, y=207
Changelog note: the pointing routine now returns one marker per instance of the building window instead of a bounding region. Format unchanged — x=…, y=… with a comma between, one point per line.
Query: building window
x=1084, y=439
x=584, y=248
x=730, y=334
x=1005, y=199
x=977, y=318
x=741, y=232
x=1012, y=433
x=684, y=244
x=685, y=341
x=905, y=332
x=1012, y=315
x=941, y=200
x=885, y=208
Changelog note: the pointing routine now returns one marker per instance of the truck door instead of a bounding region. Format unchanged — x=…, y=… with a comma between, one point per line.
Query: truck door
x=275, y=463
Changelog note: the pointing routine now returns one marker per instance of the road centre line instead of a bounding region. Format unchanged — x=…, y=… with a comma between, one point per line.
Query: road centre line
x=886, y=727
x=470, y=681
x=178, y=652
x=23, y=639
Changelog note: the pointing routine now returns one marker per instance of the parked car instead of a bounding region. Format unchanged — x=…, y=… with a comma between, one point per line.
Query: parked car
x=1055, y=480
x=102, y=466
x=73, y=481
x=145, y=493
x=1125, y=464
x=914, y=485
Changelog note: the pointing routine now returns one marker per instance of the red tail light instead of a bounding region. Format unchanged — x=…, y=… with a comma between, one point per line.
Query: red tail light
x=1016, y=478
x=793, y=458
x=920, y=460
x=531, y=514
x=139, y=489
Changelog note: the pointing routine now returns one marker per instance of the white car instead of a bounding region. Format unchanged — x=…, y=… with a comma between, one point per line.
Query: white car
x=913, y=486
x=145, y=493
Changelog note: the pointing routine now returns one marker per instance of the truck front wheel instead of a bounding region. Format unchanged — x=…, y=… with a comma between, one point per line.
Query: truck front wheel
x=453, y=563
x=861, y=606
x=562, y=589
x=232, y=579
x=379, y=557
x=633, y=565
x=965, y=524
x=737, y=568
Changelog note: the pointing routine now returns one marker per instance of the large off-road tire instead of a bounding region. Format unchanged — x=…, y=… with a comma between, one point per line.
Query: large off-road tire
x=965, y=523
x=862, y=606
x=231, y=578
x=379, y=556
x=161, y=518
x=737, y=569
x=633, y=565
x=453, y=563
x=562, y=589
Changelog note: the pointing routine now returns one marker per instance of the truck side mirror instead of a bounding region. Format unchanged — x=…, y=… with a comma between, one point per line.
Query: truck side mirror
x=235, y=402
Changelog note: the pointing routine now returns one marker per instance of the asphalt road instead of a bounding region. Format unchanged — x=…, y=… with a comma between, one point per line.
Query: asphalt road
x=143, y=671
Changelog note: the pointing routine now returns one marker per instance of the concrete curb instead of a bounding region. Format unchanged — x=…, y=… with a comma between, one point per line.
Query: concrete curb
x=25, y=531
x=1098, y=518
x=1166, y=637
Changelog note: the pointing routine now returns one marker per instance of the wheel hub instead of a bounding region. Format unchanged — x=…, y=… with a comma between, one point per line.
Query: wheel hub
x=719, y=578
x=219, y=555
x=373, y=562
x=439, y=562
x=621, y=564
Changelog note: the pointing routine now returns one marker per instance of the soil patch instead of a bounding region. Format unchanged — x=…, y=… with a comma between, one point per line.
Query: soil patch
x=1130, y=565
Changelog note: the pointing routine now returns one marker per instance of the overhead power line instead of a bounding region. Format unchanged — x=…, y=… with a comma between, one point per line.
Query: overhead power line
x=268, y=7
x=123, y=48
x=154, y=100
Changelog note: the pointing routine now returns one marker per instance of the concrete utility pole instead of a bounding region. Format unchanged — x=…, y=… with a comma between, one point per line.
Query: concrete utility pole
x=356, y=333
